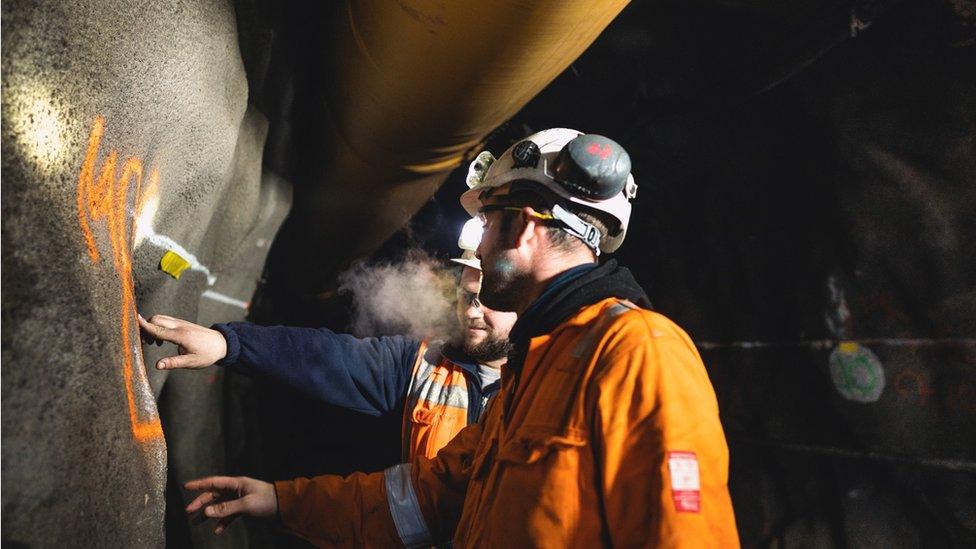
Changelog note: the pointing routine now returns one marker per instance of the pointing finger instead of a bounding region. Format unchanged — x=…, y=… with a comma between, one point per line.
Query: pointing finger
x=166, y=321
x=213, y=484
x=223, y=523
x=200, y=501
x=154, y=331
x=180, y=362
x=225, y=508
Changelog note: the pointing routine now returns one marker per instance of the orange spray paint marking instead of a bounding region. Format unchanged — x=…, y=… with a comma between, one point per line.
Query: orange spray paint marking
x=106, y=198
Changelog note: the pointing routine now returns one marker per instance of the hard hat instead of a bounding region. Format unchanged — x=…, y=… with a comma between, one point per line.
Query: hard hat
x=588, y=170
x=468, y=242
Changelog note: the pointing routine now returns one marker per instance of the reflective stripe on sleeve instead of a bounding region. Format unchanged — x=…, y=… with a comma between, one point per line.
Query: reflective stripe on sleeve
x=409, y=521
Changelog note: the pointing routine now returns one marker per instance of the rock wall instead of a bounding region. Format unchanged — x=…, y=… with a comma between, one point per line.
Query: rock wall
x=127, y=144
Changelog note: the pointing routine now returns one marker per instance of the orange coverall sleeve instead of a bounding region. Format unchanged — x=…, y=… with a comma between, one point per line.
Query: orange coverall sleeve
x=362, y=510
x=655, y=401
x=441, y=483
x=332, y=511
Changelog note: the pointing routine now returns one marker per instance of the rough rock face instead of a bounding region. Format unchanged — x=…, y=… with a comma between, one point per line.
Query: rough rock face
x=126, y=134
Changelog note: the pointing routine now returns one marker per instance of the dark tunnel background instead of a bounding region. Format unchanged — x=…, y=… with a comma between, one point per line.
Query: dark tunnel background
x=802, y=184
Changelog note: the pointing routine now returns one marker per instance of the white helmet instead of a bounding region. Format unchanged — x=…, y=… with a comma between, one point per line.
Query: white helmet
x=468, y=242
x=585, y=169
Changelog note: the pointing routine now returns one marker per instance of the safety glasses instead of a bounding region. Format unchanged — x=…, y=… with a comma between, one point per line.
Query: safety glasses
x=468, y=299
x=569, y=221
x=498, y=207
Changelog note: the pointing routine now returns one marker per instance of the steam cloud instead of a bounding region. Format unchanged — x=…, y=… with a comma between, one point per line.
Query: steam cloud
x=413, y=297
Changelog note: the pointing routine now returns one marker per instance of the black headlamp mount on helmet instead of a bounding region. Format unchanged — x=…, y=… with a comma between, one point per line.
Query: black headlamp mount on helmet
x=591, y=167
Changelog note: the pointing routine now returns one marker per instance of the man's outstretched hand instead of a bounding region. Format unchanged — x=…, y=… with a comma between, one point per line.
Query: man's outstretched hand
x=199, y=347
x=226, y=498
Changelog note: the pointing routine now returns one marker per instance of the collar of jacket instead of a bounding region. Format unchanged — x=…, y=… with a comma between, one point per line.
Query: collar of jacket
x=562, y=299
x=561, y=280
x=458, y=356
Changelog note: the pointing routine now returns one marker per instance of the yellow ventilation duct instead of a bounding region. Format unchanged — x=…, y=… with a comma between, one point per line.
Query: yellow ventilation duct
x=415, y=85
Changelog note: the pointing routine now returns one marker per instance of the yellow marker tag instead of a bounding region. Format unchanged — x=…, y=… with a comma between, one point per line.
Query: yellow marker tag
x=848, y=347
x=173, y=265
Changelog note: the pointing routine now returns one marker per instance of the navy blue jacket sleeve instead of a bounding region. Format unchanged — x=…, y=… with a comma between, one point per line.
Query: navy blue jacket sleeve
x=366, y=375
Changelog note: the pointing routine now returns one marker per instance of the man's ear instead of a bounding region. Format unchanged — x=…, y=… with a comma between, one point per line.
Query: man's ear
x=526, y=224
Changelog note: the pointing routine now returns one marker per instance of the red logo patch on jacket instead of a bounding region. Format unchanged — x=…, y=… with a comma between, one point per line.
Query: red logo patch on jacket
x=685, y=482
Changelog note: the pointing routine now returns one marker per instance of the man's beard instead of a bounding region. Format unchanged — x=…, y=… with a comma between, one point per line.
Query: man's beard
x=503, y=288
x=489, y=349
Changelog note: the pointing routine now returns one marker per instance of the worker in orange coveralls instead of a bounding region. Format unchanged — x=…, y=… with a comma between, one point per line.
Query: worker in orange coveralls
x=605, y=431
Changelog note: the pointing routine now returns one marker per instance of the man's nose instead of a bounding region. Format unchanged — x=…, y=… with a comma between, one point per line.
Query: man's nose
x=473, y=311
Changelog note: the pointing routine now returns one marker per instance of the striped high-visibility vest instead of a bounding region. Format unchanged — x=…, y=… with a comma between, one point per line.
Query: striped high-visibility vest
x=443, y=397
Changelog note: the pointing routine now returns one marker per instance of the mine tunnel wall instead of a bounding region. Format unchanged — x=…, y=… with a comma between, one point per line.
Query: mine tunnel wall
x=127, y=135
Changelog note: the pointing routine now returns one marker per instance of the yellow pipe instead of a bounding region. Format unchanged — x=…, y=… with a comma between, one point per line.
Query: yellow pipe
x=417, y=85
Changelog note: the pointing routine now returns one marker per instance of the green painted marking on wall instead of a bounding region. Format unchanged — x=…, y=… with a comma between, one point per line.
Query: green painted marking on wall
x=856, y=372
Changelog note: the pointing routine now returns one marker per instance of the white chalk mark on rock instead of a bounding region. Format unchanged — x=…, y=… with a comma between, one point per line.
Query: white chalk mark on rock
x=168, y=243
x=145, y=232
x=217, y=296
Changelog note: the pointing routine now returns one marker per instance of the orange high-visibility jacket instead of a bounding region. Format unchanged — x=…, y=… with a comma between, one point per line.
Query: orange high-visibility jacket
x=609, y=435
x=441, y=399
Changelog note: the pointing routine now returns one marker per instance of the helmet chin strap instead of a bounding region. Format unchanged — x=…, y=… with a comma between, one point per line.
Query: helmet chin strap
x=575, y=226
